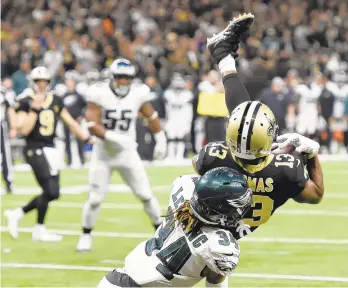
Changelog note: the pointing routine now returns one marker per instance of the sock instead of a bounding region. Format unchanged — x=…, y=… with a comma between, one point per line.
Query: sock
x=180, y=150
x=31, y=205
x=153, y=209
x=42, y=206
x=171, y=150
x=87, y=230
x=227, y=64
x=89, y=215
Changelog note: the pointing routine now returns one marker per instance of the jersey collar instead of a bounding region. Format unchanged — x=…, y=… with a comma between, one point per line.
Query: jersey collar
x=254, y=168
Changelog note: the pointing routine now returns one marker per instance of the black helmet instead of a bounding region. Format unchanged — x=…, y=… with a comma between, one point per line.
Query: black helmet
x=221, y=197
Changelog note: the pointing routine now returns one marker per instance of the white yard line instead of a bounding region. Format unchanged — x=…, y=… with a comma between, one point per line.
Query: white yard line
x=238, y=275
x=147, y=235
x=133, y=206
x=124, y=189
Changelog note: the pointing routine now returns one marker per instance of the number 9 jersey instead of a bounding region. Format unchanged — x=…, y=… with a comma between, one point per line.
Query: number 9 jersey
x=44, y=131
x=273, y=182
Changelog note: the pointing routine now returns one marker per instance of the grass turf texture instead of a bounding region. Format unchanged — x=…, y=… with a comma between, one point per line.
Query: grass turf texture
x=325, y=221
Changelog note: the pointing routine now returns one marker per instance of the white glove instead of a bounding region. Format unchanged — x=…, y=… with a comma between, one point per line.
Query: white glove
x=242, y=229
x=302, y=144
x=161, y=145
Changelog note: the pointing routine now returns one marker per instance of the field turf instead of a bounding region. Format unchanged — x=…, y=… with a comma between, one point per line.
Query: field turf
x=300, y=246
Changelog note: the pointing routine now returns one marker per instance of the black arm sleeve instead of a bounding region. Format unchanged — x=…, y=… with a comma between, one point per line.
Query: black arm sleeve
x=235, y=92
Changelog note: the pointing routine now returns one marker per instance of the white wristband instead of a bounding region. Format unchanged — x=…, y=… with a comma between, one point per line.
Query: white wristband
x=222, y=284
x=153, y=116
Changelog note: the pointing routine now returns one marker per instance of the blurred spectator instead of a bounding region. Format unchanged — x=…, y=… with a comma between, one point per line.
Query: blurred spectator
x=53, y=59
x=214, y=123
x=278, y=99
x=179, y=114
x=19, y=78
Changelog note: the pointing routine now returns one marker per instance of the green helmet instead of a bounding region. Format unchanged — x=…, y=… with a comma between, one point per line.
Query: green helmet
x=221, y=197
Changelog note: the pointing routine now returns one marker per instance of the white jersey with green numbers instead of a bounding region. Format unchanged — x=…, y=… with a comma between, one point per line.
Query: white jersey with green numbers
x=118, y=114
x=175, y=258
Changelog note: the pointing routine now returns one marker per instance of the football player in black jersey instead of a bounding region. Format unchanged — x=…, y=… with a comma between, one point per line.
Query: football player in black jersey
x=250, y=134
x=38, y=111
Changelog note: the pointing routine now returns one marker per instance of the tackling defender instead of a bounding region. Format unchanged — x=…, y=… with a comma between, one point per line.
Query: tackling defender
x=193, y=242
x=38, y=111
x=112, y=111
x=251, y=132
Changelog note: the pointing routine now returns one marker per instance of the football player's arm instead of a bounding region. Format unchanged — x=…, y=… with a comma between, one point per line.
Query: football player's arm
x=152, y=117
x=74, y=126
x=198, y=162
x=155, y=126
x=93, y=117
x=235, y=92
x=12, y=119
x=26, y=115
x=313, y=191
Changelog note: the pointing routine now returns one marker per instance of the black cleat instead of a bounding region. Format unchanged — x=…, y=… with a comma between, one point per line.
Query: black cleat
x=9, y=188
x=227, y=41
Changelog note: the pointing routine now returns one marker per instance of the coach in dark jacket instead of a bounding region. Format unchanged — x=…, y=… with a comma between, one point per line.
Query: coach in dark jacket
x=76, y=104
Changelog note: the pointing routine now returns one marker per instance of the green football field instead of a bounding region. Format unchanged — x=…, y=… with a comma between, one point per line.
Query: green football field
x=301, y=245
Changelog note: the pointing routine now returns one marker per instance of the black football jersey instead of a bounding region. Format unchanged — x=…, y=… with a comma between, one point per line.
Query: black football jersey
x=44, y=131
x=282, y=177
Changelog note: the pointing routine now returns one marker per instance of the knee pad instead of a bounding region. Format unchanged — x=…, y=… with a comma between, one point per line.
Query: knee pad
x=95, y=197
x=51, y=188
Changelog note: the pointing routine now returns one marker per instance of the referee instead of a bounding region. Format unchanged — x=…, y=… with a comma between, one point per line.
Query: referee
x=75, y=104
x=8, y=120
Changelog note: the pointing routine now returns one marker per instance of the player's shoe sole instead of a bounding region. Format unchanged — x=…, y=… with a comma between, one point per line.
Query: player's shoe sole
x=230, y=36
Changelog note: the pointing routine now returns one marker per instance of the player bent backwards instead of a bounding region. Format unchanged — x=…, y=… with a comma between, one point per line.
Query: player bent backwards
x=192, y=243
x=38, y=111
x=112, y=111
x=250, y=134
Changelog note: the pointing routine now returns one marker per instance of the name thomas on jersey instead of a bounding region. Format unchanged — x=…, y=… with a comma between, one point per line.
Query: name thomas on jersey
x=273, y=182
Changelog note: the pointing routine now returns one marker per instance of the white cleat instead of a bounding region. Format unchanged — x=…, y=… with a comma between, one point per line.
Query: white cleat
x=40, y=233
x=13, y=217
x=85, y=243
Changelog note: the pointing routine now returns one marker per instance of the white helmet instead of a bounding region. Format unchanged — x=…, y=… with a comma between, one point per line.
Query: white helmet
x=39, y=73
x=121, y=68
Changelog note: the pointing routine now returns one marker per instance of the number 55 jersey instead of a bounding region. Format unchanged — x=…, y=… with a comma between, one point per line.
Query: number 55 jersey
x=119, y=114
x=273, y=182
x=175, y=258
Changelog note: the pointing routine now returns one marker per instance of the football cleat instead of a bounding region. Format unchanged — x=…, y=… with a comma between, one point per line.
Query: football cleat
x=227, y=41
x=40, y=233
x=85, y=243
x=13, y=217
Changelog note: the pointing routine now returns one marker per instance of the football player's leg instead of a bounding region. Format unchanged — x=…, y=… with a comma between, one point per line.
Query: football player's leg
x=223, y=48
x=6, y=161
x=99, y=175
x=117, y=278
x=134, y=174
x=180, y=149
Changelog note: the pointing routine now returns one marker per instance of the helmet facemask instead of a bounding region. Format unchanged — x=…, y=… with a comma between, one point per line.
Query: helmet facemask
x=120, y=84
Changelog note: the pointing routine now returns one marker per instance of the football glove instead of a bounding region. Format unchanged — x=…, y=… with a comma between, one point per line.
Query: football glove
x=302, y=144
x=161, y=145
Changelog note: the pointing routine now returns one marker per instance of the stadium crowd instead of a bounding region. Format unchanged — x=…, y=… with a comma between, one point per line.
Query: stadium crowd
x=294, y=59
